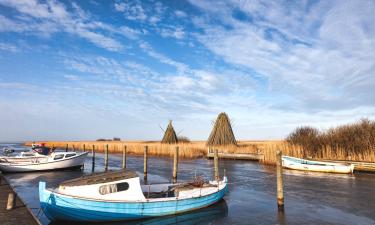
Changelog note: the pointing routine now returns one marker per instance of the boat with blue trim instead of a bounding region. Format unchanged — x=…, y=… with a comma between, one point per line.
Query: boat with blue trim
x=316, y=166
x=119, y=195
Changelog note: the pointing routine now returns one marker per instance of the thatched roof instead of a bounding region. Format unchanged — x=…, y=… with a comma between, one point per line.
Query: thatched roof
x=170, y=136
x=222, y=133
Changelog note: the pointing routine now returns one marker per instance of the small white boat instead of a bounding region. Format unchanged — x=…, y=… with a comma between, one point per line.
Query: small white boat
x=32, y=161
x=118, y=195
x=316, y=166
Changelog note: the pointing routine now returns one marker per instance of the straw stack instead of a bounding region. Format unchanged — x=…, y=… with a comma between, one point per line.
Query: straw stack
x=170, y=136
x=222, y=133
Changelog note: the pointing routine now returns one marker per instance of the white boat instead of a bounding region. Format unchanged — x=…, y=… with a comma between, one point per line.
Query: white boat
x=118, y=195
x=316, y=166
x=31, y=161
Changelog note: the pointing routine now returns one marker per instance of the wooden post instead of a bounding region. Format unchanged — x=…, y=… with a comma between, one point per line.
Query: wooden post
x=84, y=147
x=216, y=164
x=279, y=174
x=175, y=165
x=93, y=158
x=12, y=198
x=74, y=149
x=145, y=163
x=106, y=158
x=124, y=158
x=66, y=149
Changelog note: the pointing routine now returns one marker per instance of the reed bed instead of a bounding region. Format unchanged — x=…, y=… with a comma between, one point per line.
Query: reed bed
x=354, y=142
x=191, y=150
x=186, y=150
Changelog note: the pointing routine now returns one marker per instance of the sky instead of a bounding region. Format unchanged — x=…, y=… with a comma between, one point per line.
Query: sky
x=82, y=70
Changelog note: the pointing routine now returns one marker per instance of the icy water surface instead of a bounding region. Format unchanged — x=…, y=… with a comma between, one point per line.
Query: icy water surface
x=310, y=198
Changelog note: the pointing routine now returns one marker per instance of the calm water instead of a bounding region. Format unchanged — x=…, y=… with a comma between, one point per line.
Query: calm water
x=310, y=198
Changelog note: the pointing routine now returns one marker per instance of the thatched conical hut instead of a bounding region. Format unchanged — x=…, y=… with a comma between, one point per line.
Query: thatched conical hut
x=170, y=136
x=222, y=133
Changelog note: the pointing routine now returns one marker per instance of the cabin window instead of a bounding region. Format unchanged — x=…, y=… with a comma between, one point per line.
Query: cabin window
x=70, y=155
x=60, y=156
x=113, y=188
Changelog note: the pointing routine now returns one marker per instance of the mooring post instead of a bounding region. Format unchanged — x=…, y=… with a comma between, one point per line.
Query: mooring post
x=93, y=158
x=145, y=163
x=12, y=197
x=175, y=165
x=216, y=164
x=279, y=174
x=84, y=147
x=106, y=158
x=124, y=157
x=67, y=146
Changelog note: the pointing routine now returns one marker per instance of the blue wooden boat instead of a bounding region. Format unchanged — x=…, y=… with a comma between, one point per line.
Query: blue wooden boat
x=114, y=196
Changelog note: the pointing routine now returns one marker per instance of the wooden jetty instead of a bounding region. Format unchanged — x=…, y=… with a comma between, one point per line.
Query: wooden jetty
x=19, y=214
x=239, y=156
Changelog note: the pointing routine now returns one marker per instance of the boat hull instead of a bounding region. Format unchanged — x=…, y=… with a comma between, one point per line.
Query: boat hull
x=315, y=166
x=63, y=207
x=74, y=162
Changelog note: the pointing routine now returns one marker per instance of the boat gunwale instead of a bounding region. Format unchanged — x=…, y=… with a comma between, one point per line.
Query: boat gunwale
x=316, y=163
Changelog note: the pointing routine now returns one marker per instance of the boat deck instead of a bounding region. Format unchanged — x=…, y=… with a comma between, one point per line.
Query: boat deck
x=102, y=177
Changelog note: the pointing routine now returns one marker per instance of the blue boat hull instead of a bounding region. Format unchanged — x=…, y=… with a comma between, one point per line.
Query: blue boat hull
x=62, y=207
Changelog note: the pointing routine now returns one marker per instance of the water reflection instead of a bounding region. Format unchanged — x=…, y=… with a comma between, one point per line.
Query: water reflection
x=201, y=216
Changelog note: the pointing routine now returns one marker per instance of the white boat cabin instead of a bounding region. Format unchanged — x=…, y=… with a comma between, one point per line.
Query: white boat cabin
x=34, y=157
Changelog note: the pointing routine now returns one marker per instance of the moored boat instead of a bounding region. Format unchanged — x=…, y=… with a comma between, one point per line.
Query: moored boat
x=316, y=166
x=114, y=196
x=32, y=161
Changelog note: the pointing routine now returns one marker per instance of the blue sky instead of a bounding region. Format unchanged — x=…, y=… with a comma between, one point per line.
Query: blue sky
x=73, y=70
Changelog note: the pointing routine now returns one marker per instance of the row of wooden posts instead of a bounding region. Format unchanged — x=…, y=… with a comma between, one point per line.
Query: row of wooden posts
x=280, y=192
x=279, y=169
x=145, y=160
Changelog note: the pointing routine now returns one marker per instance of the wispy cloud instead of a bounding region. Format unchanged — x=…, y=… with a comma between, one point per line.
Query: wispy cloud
x=317, y=71
x=8, y=47
x=53, y=17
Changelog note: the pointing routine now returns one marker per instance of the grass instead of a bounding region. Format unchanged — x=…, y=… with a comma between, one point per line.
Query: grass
x=198, y=149
x=193, y=149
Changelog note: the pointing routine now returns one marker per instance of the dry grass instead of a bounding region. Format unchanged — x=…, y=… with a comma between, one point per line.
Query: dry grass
x=222, y=133
x=193, y=149
x=198, y=149
x=170, y=136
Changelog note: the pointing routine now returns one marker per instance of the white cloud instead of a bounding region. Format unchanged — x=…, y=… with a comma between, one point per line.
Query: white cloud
x=181, y=67
x=175, y=32
x=8, y=47
x=132, y=10
x=308, y=56
x=44, y=19
x=180, y=13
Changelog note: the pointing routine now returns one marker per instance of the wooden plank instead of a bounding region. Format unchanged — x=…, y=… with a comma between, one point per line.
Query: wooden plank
x=358, y=166
x=20, y=214
x=241, y=156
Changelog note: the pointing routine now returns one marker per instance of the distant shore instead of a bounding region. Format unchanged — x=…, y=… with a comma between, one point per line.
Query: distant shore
x=198, y=149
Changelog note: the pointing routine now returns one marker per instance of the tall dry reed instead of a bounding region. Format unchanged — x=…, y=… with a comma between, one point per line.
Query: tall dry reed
x=222, y=133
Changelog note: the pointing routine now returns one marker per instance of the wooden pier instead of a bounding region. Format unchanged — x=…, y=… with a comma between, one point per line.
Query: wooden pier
x=20, y=214
x=239, y=156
